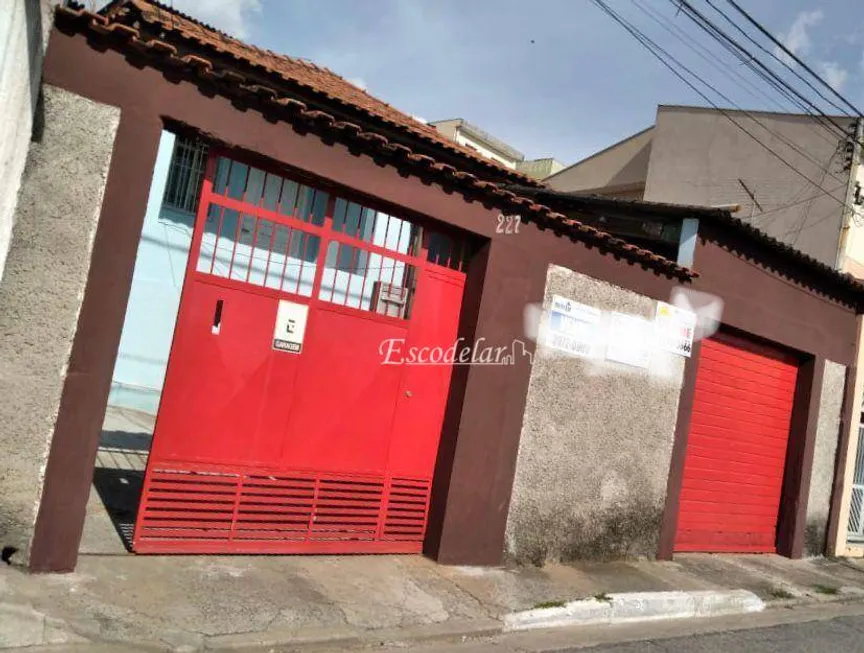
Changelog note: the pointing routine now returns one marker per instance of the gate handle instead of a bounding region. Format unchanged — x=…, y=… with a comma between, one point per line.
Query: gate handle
x=217, y=318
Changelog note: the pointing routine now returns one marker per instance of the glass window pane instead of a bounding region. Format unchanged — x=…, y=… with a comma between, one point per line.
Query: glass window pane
x=255, y=186
x=393, y=233
x=291, y=275
x=307, y=277
x=355, y=281
x=328, y=276
x=305, y=195
x=339, y=212
x=208, y=240
x=373, y=275
x=243, y=250
x=367, y=224
x=319, y=207
x=352, y=219
x=379, y=235
x=278, y=257
x=272, y=189
x=225, y=243
x=237, y=180
x=261, y=252
x=223, y=166
x=288, y=200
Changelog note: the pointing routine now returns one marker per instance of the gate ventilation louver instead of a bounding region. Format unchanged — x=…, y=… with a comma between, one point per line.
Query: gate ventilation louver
x=235, y=512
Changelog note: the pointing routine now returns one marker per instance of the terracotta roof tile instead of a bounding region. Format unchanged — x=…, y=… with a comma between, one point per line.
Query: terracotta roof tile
x=299, y=71
x=295, y=110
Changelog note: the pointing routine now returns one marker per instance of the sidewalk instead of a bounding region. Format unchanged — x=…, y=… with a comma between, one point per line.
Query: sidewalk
x=233, y=603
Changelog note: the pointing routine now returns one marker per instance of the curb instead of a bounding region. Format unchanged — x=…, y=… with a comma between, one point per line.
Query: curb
x=356, y=638
x=637, y=606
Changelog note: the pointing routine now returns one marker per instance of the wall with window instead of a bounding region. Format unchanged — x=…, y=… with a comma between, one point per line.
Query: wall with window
x=477, y=146
x=160, y=268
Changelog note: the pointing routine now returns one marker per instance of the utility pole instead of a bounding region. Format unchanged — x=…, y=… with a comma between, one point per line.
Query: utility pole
x=849, y=208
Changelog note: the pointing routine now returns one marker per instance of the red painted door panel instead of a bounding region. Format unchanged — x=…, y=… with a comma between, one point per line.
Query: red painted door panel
x=215, y=397
x=342, y=406
x=419, y=410
x=736, y=449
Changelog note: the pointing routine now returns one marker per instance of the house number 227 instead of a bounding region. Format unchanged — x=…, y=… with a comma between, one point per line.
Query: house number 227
x=508, y=224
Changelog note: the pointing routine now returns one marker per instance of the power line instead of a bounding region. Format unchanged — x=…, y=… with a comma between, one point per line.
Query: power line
x=759, y=68
x=796, y=203
x=794, y=58
x=681, y=35
x=655, y=50
x=805, y=213
x=704, y=53
x=773, y=56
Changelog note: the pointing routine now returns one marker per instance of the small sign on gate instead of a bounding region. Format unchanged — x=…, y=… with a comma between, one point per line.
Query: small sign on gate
x=290, y=327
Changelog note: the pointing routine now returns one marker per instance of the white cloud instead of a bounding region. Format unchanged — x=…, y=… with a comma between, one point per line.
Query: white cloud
x=359, y=82
x=231, y=16
x=834, y=74
x=798, y=40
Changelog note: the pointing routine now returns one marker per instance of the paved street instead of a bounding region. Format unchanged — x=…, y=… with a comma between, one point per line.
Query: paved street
x=844, y=634
x=804, y=629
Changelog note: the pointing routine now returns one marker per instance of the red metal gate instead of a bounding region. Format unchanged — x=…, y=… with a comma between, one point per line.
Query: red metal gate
x=736, y=450
x=279, y=429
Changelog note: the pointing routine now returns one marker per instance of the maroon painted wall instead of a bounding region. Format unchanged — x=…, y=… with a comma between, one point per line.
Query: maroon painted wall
x=773, y=307
x=484, y=416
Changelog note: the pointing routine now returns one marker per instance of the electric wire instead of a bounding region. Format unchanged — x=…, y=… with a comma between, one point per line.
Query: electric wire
x=759, y=68
x=856, y=111
x=659, y=53
x=774, y=56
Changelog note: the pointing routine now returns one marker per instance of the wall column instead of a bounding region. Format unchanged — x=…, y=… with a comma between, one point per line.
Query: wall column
x=40, y=295
x=477, y=457
x=69, y=470
x=847, y=451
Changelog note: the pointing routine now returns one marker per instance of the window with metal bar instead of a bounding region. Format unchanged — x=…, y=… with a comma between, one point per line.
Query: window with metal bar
x=367, y=281
x=445, y=251
x=269, y=191
x=258, y=251
x=183, y=187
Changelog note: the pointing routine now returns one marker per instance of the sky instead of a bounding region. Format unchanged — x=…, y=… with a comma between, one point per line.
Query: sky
x=549, y=77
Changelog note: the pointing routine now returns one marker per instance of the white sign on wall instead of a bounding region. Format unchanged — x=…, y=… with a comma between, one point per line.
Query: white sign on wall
x=290, y=327
x=629, y=340
x=674, y=328
x=572, y=327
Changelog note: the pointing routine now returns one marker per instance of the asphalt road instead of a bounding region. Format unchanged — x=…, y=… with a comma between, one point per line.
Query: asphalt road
x=839, y=635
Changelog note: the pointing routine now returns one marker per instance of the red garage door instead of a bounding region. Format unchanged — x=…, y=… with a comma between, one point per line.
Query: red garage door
x=736, y=451
x=281, y=429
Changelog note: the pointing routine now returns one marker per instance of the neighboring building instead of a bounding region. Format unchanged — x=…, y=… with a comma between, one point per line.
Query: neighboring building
x=325, y=228
x=24, y=27
x=463, y=132
x=698, y=156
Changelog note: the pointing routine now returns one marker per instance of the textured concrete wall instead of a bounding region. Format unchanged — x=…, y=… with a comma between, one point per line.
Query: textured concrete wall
x=24, y=26
x=596, y=444
x=698, y=157
x=824, y=457
x=619, y=167
x=41, y=291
